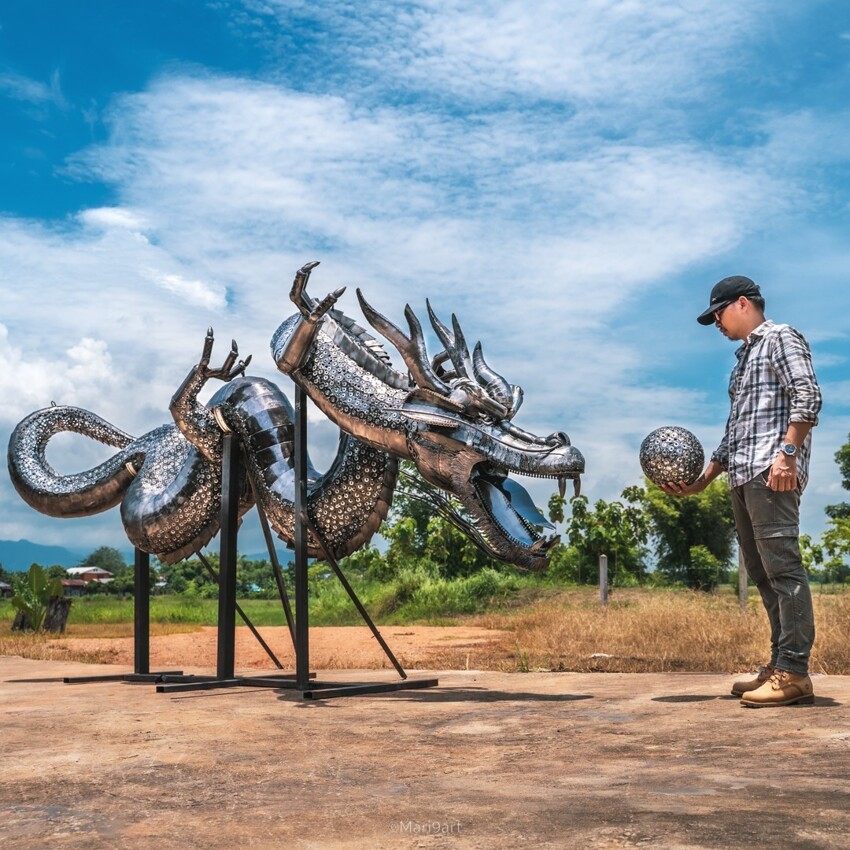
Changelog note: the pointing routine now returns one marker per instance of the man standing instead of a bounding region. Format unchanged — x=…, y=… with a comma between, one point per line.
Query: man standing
x=775, y=401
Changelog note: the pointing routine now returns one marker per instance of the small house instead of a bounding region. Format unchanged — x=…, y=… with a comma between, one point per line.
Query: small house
x=90, y=574
x=73, y=586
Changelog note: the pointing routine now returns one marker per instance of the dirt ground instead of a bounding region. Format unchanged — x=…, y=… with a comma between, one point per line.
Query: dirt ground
x=484, y=760
x=331, y=647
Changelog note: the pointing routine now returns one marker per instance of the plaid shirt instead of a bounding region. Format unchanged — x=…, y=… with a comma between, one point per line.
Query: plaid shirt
x=772, y=384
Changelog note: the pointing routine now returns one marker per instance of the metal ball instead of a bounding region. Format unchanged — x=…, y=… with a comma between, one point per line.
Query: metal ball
x=671, y=453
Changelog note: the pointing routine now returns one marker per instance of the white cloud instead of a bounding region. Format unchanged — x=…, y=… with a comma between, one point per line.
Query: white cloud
x=534, y=171
x=193, y=291
x=109, y=217
x=26, y=384
x=627, y=52
x=35, y=92
x=24, y=88
x=607, y=51
x=400, y=196
x=80, y=375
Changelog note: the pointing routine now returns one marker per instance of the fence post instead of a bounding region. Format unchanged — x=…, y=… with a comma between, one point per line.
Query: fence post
x=603, y=580
x=742, y=581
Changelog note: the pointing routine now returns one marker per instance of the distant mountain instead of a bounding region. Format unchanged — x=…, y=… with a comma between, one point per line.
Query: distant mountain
x=17, y=555
x=285, y=556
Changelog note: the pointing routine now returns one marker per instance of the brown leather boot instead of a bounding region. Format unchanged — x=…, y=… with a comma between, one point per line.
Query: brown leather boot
x=743, y=685
x=782, y=688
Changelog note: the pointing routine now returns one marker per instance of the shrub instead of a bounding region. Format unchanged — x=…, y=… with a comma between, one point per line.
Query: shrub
x=33, y=593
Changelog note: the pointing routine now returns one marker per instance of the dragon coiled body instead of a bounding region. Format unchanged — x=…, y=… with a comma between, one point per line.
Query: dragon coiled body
x=451, y=417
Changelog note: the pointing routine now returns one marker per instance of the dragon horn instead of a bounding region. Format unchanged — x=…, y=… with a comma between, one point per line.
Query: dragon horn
x=492, y=381
x=517, y=395
x=411, y=349
x=454, y=343
x=440, y=329
x=463, y=363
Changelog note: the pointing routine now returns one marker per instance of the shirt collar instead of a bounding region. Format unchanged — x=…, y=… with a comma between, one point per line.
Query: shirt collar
x=754, y=336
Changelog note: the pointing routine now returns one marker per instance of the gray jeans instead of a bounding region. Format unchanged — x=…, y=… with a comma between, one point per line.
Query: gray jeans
x=768, y=525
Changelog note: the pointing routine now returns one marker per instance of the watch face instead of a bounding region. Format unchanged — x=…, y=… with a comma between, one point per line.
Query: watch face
x=789, y=449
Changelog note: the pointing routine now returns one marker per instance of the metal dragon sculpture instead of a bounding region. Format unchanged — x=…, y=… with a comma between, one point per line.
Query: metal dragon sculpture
x=451, y=416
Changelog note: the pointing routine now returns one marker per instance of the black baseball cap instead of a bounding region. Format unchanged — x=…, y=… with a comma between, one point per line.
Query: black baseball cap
x=728, y=290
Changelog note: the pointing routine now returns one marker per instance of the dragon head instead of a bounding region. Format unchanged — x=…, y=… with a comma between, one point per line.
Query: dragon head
x=460, y=435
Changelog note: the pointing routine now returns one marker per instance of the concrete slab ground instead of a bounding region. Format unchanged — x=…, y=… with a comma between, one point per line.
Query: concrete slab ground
x=484, y=760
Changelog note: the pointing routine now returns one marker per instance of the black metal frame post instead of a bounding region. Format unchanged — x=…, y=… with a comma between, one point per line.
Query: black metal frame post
x=141, y=632
x=314, y=689
x=142, y=613
x=231, y=486
x=278, y=573
x=334, y=564
x=245, y=619
x=302, y=616
x=226, y=658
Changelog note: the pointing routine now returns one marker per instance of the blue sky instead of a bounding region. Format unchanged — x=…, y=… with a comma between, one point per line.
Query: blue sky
x=570, y=178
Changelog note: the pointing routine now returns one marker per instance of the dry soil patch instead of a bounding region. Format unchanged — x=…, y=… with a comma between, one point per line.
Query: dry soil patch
x=484, y=760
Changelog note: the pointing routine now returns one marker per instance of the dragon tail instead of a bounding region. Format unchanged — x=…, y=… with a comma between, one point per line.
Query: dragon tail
x=78, y=494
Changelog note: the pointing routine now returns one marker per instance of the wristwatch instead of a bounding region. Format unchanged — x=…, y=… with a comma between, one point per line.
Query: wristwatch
x=789, y=449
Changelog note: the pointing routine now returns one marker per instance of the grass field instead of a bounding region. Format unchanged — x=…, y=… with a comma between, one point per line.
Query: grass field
x=550, y=628
x=662, y=630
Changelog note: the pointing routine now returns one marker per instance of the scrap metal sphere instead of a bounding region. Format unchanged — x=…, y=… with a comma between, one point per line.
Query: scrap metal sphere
x=671, y=454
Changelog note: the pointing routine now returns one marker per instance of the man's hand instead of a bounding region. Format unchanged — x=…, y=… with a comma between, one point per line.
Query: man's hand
x=679, y=488
x=783, y=473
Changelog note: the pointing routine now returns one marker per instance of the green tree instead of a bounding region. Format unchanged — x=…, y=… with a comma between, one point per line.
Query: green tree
x=256, y=578
x=811, y=552
x=57, y=572
x=422, y=537
x=836, y=539
x=565, y=563
x=842, y=458
x=190, y=576
x=106, y=558
x=453, y=553
x=836, y=542
x=366, y=561
x=616, y=529
x=694, y=536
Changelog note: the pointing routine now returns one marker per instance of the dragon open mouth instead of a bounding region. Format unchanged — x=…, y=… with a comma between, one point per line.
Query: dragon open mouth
x=511, y=509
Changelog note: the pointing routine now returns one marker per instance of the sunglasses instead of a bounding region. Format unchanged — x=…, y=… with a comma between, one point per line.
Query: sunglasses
x=718, y=313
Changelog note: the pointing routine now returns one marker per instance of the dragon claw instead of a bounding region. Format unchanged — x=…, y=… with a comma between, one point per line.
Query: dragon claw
x=208, y=347
x=326, y=304
x=227, y=371
x=308, y=308
x=298, y=294
x=241, y=366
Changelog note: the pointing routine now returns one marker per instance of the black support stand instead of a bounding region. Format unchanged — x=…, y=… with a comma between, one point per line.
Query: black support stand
x=141, y=632
x=142, y=612
x=225, y=676
x=174, y=681
x=304, y=681
x=314, y=690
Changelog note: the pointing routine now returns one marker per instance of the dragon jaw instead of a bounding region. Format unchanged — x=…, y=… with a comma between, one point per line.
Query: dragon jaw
x=473, y=462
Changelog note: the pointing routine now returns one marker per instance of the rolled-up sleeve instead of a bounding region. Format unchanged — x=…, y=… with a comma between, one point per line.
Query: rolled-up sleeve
x=721, y=454
x=793, y=365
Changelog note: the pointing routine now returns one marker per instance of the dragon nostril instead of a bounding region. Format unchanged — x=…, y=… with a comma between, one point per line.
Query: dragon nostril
x=559, y=438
